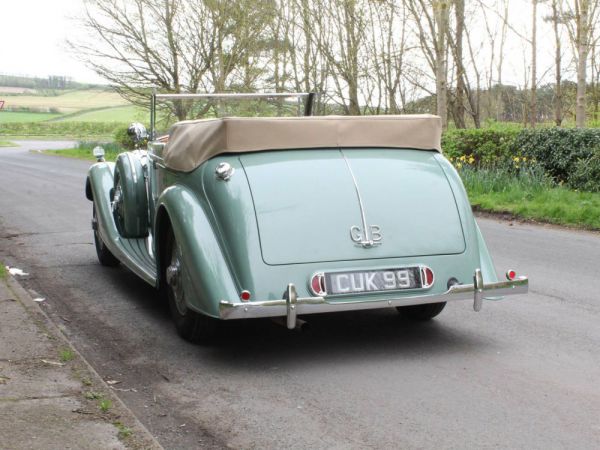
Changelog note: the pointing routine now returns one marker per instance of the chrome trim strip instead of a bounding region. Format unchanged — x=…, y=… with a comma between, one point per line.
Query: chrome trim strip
x=313, y=305
x=232, y=95
x=367, y=239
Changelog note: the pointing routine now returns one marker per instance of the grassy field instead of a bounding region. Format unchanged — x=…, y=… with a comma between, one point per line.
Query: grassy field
x=120, y=114
x=7, y=144
x=530, y=195
x=21, y=117
x=67, y=102
x=80, y=114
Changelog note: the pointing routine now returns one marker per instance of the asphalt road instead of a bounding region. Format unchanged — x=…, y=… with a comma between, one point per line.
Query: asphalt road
x=522, y=373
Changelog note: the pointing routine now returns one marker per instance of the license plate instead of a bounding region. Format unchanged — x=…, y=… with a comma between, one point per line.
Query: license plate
x=360, y=281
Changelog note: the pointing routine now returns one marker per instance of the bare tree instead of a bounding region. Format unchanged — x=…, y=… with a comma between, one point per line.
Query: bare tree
x=533, y=99
x=556, y=21
x=431, y=18
x=175, y=45
x=456, y=45
x=581, y=16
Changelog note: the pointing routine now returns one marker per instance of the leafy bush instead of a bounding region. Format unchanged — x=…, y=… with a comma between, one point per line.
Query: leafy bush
x=484, y=147
x=558, y=150
x=123, y=138
x=586, y=174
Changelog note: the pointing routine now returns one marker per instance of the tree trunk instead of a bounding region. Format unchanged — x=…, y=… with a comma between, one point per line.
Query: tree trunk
x=459, y=103
x=558, y=96
x=533, y=104
x=441, y=12
x=582, y=18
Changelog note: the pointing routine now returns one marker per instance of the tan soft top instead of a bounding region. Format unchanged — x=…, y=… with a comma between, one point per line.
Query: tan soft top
x=194, y=141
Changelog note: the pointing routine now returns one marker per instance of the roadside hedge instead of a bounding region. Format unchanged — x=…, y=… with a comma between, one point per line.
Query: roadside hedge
x=567, y=155
x=559, y=150
x=484, y=147
x=62, y=129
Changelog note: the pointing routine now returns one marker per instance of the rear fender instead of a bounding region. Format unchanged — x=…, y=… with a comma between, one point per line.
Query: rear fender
x=470, y=227
x=207, y=279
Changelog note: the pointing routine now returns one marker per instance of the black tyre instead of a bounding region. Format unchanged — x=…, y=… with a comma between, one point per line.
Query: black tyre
x=105, y=257
x=421, y=312
x=190, y=325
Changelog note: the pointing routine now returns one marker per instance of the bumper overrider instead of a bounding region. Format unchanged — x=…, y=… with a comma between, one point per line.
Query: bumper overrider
x=290, y=306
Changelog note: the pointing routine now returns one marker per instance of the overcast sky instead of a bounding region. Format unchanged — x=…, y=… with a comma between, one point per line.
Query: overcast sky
x=33, y=34
x=32, y=38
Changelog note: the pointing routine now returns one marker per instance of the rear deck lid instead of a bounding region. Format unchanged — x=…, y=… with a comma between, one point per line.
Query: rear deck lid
x=308, y=204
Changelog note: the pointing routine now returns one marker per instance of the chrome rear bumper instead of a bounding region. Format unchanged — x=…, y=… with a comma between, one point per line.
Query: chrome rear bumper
x=291, y=305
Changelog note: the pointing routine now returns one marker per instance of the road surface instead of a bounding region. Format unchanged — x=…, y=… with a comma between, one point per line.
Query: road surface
x=522, y=373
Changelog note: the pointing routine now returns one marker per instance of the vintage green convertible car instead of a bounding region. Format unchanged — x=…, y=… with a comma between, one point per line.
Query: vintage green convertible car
x=239, y=218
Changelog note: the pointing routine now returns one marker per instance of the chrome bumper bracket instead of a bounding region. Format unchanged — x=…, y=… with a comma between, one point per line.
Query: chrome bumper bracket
x=291, y=298
x=478, y=288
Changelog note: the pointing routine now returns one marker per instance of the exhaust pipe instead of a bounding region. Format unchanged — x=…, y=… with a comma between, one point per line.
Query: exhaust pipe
x=301, y=325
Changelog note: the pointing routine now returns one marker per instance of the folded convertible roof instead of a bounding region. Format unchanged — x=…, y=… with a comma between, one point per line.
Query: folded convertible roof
x=194, y=141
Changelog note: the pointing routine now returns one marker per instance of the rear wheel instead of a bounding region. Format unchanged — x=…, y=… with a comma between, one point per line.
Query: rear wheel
x=105, y=257
x=190, y=325
x=421, y=312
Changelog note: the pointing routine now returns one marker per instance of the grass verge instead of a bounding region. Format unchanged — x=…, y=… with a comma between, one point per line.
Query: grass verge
x=3, y=271
x=7, y=144
x=84, y=151
x=530, y=195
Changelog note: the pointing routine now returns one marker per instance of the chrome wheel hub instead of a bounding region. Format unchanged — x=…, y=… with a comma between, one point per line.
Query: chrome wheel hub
x=174, y=280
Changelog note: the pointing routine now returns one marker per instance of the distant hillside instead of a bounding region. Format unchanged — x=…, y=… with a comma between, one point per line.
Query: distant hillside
x=52, y=82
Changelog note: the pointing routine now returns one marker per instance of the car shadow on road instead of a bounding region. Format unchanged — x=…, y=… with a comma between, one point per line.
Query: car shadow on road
x=368, y=335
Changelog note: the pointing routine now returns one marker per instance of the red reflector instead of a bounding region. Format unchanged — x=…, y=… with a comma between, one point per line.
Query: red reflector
x=317, y=284
x=427, y=277
x=511, y=275
x=245, y=295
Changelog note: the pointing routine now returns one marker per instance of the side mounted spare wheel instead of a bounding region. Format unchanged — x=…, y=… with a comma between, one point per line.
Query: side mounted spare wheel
x=130, y=200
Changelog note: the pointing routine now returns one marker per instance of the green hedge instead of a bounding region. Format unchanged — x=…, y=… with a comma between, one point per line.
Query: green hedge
x=58, y=128
x=567, y=155
x=484, y=147
x=558, y=150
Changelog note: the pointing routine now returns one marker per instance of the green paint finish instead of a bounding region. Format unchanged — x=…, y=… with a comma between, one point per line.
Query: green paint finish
x=285, y=215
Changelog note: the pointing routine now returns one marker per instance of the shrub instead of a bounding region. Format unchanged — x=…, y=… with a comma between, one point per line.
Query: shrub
x=484, y=147
x=558, y=150
x=123, y=139
x=586, y=174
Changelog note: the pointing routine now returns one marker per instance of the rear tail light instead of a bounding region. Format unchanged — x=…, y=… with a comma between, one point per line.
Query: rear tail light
x=317, y=284
x=511, y=275
x=427, y=277
x=245, y=296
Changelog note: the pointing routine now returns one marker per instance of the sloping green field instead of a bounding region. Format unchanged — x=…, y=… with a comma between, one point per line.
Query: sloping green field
x=74, y=113
x=121, y=114
x=20, y=117
x=66, y=102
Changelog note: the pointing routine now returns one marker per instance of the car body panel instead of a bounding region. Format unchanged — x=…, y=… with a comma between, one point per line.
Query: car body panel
x=255, y=232
x=312, y=196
